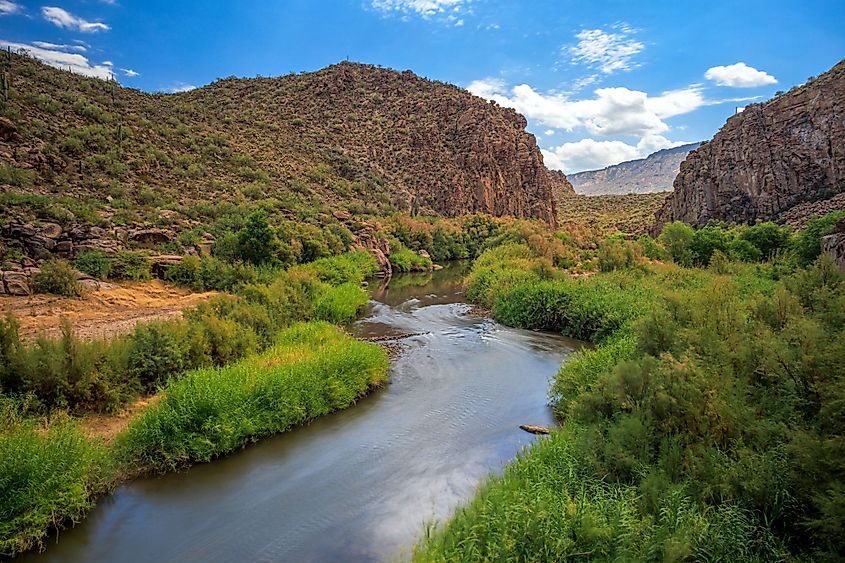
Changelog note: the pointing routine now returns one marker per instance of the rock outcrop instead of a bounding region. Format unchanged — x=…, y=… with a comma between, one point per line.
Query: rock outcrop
x=652, y=174
x=767, y=159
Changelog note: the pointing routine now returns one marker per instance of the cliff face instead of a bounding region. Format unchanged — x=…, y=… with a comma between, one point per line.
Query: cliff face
x=350, y=137
x=652, y=174
x=767, y=159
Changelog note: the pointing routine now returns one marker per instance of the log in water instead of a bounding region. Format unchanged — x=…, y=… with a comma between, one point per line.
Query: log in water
x=359, y=484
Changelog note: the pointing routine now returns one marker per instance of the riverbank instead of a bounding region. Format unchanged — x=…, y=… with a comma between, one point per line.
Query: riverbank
x=702, y=426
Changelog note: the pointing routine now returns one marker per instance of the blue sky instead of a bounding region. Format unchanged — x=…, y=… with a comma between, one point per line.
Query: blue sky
x=599, y=81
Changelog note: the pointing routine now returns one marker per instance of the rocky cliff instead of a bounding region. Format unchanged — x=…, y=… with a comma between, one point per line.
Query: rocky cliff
x=350, y=137
x=767, y=159
x=652, y=174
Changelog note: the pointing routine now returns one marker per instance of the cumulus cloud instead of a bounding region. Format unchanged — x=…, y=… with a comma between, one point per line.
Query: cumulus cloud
x=589, y=154
x=9, y=8
x=56, y=46
x=448, y=11
x=74, y=62
x=739, y=75
x=608, y=52
x=612, y=111
x=66, y=20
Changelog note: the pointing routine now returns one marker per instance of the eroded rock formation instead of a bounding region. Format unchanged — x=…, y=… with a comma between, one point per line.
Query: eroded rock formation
x=767, y=159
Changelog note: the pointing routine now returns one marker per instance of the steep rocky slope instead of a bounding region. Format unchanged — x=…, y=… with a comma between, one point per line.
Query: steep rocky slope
x=767, y=159
x=652, y=174
x=350, y=137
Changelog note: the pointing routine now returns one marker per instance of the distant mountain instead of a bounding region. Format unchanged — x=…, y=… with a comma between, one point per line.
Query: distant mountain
x=655, y=173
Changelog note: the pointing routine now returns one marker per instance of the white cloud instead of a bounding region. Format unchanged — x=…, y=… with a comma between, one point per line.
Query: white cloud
x=549, y=132
x=589, y=154
x=66, y=20
x=46, y=45
x=130, y=73
x=8, y=8
x=613, y=111
x=180, y=87
x=608, y=52
x=74, y=62
x=739, y=75
x=447, y=11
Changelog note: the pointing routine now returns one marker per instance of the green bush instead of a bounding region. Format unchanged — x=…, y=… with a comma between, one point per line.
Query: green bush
x=129, y=265
x=354, y=267
x=57, y=276
x=256, y=241
x=677, y=238
x=341, y=304
x=807, y=242
x=95, y=263
x=405, y=260
x=49, y=477
x=618, y=255
x=313, y=369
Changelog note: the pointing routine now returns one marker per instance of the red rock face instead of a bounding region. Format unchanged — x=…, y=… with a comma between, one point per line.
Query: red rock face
x=767, y=159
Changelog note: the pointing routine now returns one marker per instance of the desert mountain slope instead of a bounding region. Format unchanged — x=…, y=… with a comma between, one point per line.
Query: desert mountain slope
x=351, y=136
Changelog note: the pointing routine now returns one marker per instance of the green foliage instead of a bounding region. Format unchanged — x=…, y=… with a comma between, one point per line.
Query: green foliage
x=256, y=241
x=313, y=369
x=767, y=237
x=57, y=276
x=49, y=477
x=807, y=243
x=677, y=238
x=130, y=265
x=403, y=259
x=354, y=267
x=341, y=304
x=95, y=263
x=14, y=176
x=703, y=426
x=617, y=254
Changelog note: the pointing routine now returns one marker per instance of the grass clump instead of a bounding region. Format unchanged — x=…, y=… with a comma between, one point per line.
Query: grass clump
x=49, y=477
x=340, y=304
x=57, y=276
x=131, y=265
x=403, y=259
x=313, y=369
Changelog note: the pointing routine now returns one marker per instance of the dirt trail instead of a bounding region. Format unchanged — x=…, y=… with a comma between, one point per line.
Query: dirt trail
x=111, y=311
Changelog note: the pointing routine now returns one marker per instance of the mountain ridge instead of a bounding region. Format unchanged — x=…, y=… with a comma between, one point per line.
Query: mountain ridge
x=652, y=174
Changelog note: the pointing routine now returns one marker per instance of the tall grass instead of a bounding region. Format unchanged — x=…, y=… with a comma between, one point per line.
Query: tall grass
x=704, y=426
x=313, y=369
x=49, y=477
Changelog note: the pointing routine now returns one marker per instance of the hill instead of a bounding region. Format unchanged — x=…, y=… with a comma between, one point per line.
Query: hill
x=351, y=137
x=767, y=159
x=652, y=174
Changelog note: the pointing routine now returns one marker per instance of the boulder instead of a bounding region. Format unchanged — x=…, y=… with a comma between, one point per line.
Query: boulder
x=16, y=283
x=150, y=238
x=51, y=230
x=162, y=262
x=8, y=130
x=424, y=253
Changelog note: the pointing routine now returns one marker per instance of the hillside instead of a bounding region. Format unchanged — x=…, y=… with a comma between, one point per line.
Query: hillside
x=350, y=137
x=652, y=174
x=769, y=158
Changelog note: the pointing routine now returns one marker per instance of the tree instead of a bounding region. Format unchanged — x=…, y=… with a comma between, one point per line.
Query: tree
x=677, y=238
x=256, y=241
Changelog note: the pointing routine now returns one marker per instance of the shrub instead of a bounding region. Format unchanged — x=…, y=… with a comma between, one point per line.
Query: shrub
x=256, y=241
x=314, y=369
x=618, y=255
x=807, y=243
x=767, y=237
x=95, y=263
x=48, y=477
x=129, y=265
x=677, y=238
x=341, y=304
x=405, y=260
x=57, y=276
x=157, y=351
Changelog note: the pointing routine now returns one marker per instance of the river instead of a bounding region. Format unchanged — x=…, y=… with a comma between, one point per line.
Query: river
x=358, y=485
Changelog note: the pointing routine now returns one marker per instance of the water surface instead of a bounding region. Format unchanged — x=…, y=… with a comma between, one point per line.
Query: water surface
x=358, y=485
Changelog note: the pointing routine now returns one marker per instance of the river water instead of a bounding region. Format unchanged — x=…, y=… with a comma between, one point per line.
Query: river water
x=358, y=485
